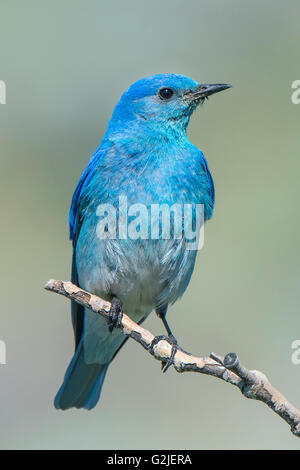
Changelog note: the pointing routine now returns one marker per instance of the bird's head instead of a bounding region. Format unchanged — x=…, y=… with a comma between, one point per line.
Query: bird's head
x=163, y=101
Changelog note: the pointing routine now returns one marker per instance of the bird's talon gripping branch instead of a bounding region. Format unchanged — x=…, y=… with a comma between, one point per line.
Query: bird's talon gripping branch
x=115, y=314
x=173, y=342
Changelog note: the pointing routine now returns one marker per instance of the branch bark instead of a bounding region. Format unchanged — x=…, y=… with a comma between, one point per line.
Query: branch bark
x=253, y=384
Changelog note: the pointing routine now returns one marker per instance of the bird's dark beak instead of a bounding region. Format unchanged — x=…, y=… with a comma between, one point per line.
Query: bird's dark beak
x=205, y=90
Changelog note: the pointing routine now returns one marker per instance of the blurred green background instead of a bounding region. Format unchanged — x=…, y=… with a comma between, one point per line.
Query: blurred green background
x=65, y=64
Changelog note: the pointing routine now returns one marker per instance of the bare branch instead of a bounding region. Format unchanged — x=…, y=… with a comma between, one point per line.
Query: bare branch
x=253, y=384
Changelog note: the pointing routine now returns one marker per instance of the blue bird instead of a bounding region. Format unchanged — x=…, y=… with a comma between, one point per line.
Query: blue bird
x=146, y=157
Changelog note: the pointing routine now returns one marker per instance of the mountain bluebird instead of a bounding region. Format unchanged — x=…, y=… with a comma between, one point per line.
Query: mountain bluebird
x=146, y=158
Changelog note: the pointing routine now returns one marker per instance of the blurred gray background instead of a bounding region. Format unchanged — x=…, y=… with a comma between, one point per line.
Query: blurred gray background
x=65, y=64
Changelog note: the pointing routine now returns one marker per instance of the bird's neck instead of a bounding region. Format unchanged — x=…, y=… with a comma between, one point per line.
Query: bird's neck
x=143, y=131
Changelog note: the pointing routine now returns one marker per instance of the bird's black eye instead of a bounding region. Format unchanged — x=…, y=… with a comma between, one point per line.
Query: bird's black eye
x=166, y=93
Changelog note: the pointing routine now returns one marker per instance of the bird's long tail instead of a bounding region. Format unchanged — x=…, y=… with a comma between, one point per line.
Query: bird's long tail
x=82, y=383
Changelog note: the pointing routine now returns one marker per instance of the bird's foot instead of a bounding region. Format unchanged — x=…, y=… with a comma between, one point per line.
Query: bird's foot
x=115, y=314
x=173, y=342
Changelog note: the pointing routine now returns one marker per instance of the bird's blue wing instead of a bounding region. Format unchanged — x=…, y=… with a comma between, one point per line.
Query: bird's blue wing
x=209, y=178
x=75, y=221
x=209, y=187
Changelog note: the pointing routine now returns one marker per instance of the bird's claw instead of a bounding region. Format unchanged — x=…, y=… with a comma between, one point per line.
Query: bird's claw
x=115, y=314
x=173, y=342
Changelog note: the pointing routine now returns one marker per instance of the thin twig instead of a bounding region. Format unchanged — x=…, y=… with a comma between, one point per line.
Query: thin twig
x=253, y=384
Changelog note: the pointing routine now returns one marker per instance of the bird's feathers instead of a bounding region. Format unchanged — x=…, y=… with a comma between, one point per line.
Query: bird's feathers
x=82, y=383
